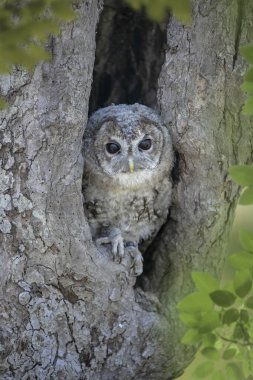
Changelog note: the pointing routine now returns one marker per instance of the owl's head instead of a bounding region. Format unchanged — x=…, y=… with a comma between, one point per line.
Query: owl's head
x=127, y=142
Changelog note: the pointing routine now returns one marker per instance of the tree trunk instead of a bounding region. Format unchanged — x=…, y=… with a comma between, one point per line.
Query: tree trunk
x=68, y=311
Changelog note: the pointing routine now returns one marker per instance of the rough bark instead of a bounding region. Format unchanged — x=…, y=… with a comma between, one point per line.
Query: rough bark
x=68, y=311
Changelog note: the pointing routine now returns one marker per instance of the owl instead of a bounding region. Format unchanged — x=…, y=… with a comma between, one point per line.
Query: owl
x=128, y=158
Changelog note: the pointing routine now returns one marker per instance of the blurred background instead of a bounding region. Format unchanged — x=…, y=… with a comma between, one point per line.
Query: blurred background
x=243, y=219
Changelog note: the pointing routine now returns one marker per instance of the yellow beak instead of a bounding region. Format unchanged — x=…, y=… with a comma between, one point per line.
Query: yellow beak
x=131, y=165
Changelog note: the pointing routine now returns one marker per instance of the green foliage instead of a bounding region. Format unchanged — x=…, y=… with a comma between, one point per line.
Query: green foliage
x=246, y=240
x=230, y=316
x=249, y=302
x=217, y=375
x=224, y=332
x=247, y=86
x=242, y=282
x=241, y=260
x=157, y=10
x=203, y=370
x=195, y=303
x=243, y=175
x=204, y=281
x=222, y=298
x=210, y=353
x=247, y=196
x=25, y=27
x=219, y=319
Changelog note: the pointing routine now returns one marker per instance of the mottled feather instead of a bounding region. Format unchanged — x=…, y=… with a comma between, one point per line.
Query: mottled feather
x=127, y=194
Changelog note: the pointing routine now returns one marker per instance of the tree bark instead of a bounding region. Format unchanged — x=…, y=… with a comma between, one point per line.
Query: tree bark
x=68, y=311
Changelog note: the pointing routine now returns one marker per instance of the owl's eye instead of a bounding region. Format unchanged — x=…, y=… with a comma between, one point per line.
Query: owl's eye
x=112, y=148
x=145, y=144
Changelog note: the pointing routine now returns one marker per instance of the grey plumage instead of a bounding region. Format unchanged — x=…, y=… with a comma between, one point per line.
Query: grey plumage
x=126, y=183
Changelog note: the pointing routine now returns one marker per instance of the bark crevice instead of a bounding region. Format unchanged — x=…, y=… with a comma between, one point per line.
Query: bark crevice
x=238, y=30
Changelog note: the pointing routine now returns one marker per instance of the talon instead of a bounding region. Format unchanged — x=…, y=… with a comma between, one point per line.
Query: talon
x=102, y=240
x=117, y=247
x=114, y=249
x=121, y=248
x=137, y=267
x=115, y=239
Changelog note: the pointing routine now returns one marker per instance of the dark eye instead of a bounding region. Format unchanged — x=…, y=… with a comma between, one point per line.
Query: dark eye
x=145, y=144
x=112, y=148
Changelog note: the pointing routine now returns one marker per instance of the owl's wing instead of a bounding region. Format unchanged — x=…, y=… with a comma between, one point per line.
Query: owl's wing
x=162, y=201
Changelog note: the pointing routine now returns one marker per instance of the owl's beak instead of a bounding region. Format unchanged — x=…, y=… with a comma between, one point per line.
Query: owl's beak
x=131, y=165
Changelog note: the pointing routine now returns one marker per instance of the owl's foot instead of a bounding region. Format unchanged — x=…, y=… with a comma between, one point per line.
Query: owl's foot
x=137, y=266
x=115, y=239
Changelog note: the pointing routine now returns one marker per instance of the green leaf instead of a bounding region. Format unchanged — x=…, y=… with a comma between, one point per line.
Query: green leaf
x=190, y=320
x=37, y=53
x=248, y=106
x=205, y=282
x=195, y=302
x=233, y=372
x=209, y=321
x=229, y=286
x=238, y=333
x=244, y=316
x=241, y=260
x=209, y=340
x=242, y=282
x=223, y=298
x=24, y=25
x=246, y=197
x=229, y=353
x=204, y=322
x=242, y=174
x=230, y=316
x=218, y=375
x=247, y=366
x=249, y=302
x=247, y=86
x=246, y=240
x=192, y=336
x=210, y=353
x=204, y=369
x=247, y=52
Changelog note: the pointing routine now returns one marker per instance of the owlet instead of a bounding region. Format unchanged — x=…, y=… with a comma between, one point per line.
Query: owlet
x=126, y=184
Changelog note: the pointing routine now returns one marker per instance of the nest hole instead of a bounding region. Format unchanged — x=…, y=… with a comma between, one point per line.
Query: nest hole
x=130, y=51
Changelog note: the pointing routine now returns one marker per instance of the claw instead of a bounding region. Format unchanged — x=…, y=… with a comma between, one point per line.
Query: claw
x=102, y=240
x=117, y=246
x=137, y=267
x=115, y=239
